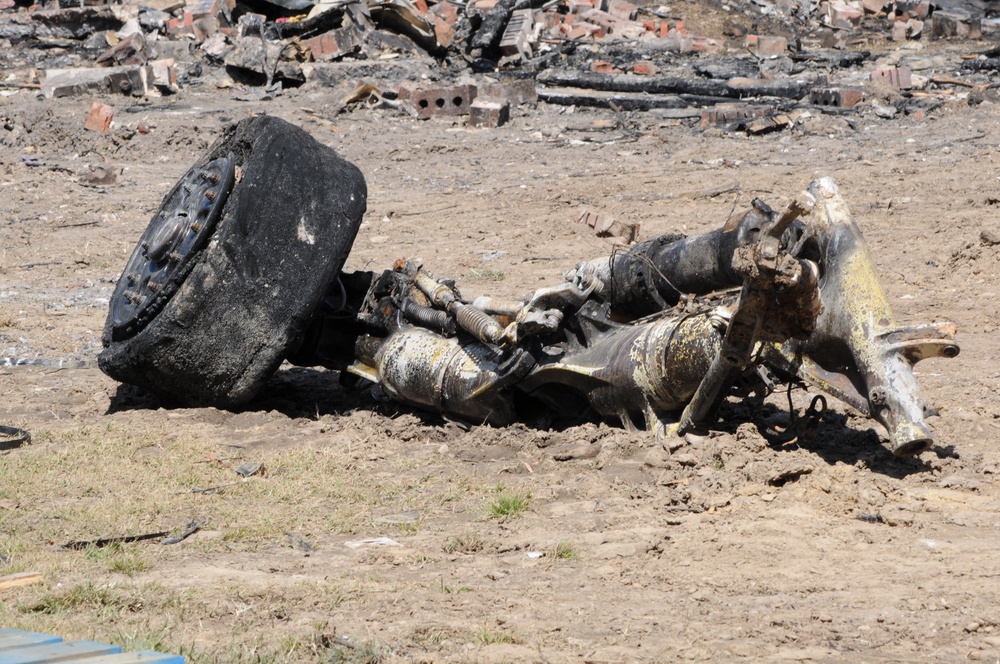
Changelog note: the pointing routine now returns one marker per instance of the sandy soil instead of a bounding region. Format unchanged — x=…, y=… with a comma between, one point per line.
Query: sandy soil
x=729, y=549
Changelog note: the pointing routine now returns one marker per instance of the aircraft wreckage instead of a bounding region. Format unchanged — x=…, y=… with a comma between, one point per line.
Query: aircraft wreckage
x=241, y=269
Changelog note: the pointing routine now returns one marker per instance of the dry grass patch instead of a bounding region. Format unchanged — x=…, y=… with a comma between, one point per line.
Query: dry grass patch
x=85, y=483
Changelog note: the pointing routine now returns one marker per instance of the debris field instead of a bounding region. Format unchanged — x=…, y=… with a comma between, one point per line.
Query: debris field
x=502, y=142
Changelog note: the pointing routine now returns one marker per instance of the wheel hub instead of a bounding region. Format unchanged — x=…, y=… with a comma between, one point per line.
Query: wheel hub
x=180, y=228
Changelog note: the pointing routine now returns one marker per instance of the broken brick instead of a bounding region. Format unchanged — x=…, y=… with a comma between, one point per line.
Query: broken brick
x=706, y=45
x=603, y=67
x=919, y=9
x=515, y=91
x=488, y=112
x=129, y=51
x=900, y=78
x=517, y=35
x=99, y=118
x=607, y=226
x=622, y=9
x=444, y=34
x=72, y=82
x=766, y=46
x=874, y=6
x=726, y=114
x=446, y=12
x=610, y=24
x=164, y=74
x=334, y=44
x=843, y=16
x=180, y=27
x=951, y=24
x=644, y=68
x=840, y=97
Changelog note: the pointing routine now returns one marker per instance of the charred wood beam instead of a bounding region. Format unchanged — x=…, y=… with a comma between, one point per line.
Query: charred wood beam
x=70, y=23
x=832, y=58
x=734, y=88
x=490, y=32
x=624, y=101
x=982, y=64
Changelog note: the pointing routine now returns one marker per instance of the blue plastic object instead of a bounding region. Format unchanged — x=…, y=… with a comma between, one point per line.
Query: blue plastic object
x=21, y=647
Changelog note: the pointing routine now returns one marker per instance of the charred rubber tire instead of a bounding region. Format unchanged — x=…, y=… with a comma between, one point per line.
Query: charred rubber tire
x=228, y=309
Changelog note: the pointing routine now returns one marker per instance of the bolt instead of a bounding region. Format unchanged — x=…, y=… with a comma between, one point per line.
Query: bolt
x=133, y=297
x=175, y=257
x=212, y=177
x=154, y=286
x=210, y=195
x=877, y=396
x=196, y=227
x=132, y=278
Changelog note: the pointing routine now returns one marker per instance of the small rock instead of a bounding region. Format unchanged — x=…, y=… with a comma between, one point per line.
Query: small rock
x=884, y=111
x=989, y=237
x=972, y=627
x=579, y=452
x=657, y=458
x=695, y=439
x=959, y=482
x=686, y=459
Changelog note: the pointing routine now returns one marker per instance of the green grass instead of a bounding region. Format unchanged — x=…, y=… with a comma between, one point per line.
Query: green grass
x=485, y=275
x=489, y=637
x=467, y=543
x=509, y=504
x=565, y=551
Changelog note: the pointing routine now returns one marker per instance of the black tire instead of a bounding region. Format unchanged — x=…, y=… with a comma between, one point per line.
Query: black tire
x=225, y=314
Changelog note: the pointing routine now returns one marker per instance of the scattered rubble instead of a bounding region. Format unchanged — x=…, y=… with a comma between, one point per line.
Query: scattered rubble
x=482, y=59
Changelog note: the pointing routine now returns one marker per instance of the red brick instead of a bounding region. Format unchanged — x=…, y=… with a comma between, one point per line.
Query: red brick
x=164, y=74
x=323, y=47
x=724, y=114
x=443, y=32
x=488, y=113
x=445, y=11
x=421, y=5
x=431, y=102
x=842, y=97
x=899, y=31
x=901, y=78
x=334, y=44
x=99, y=118
x=178, y=27
x=602, y=67
x=204, y=27
x=768, y=46
x=644, y=68
x=706, y=45
x=842, y=15
x=623, y=9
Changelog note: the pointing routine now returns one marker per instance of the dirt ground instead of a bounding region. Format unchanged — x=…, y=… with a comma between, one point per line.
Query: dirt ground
x=729, y=549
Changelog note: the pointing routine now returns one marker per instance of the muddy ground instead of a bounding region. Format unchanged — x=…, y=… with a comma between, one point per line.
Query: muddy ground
x=729, y=549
